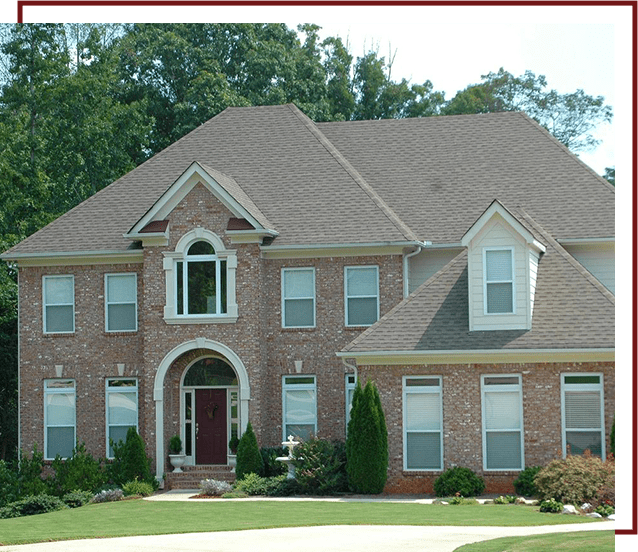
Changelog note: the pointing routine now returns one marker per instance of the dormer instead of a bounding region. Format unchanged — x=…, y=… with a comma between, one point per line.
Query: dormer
x=503, y=257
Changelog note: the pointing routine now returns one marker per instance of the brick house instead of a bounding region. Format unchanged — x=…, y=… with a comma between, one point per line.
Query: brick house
x=259, y=265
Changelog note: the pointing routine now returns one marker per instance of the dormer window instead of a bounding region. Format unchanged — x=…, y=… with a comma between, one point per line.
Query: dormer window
x=201, y=281
x=499, y=280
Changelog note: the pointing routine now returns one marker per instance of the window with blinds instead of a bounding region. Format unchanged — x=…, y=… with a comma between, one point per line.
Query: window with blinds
x=583, y=414
x=502, y=409
x=299, y=405
x=422, y=423
x=499, y=280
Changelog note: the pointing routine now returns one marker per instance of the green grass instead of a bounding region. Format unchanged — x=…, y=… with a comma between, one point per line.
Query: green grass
x=142, y=517
x=584, y=541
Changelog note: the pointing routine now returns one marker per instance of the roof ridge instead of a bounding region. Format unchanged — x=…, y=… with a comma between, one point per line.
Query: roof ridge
x=569, y=258
x=406, y=300
x=354, y=174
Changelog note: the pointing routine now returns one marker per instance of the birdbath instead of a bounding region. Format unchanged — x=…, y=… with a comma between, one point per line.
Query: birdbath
x=291, y=444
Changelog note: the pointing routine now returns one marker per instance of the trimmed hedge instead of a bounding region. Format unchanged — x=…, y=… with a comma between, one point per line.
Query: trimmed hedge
x=458, y=480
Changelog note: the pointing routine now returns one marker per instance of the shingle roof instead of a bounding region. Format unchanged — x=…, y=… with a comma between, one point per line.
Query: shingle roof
x=355, y=182
x=571, y=310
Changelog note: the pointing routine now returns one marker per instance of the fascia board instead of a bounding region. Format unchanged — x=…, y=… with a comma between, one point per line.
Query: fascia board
x=479, y=356
x=585, y=241
x=337, y=249
x=72, y=258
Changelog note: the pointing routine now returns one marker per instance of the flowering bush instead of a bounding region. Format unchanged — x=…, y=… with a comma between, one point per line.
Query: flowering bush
x=576, y=479
x=213, y=487
x=108, y=495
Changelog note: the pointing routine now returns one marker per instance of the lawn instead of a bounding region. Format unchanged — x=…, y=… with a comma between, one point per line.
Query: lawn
x=141, y=517
x=585, y=541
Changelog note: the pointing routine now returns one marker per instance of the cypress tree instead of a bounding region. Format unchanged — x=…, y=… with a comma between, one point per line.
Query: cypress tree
x=367, y=443
x=249, y=458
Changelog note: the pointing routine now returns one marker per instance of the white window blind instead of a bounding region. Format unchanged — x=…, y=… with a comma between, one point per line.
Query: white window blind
x=121, y=302
x=583, y=414
x=298, y=297
x=121, y=410
x=299, y=405
x=59, y=418
x=422, y=423
x=499, y=281
x=58, y=301
x=362, y=295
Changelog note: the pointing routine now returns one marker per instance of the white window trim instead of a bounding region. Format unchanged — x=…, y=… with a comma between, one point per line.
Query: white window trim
x=45, y=304
x=503, y=388
x=107, y=303
x=438, y=389
x=55, y=391
x=112, y=389
x=313, y=297
x=511, y=249
x=583, y=387
x=171, y=258
x=351, y=384
x=346, y=296
x=296, y=386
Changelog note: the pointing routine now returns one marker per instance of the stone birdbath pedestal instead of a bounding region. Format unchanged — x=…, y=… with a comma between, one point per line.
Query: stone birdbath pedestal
x=288, y=460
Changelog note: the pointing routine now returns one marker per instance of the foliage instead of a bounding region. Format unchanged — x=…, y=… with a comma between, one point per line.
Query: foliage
x=80, y=472
x=552, y=506
x=213, y=487
x=31, y=505
x=458, y=499
x=30, y=480
x=249, y=458
x=575, y=479
x=459, y=480
x=253, y=484
x=130, y=461
x=524, y=483
x=108, y=495
x=610, y=175
x=233, y=444
x=271, y=466
x=175, y=444
x=367, y=442
x=320, y=467
x=75, y=499
x=8, y=484
x=137, y=488
x=507, y=499
x=605, y=510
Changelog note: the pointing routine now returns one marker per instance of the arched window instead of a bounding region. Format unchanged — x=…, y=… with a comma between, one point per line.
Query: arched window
x=201, y=285
x=210, y=372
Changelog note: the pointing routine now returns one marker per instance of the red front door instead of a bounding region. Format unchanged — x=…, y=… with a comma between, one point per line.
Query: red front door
x=211, y=436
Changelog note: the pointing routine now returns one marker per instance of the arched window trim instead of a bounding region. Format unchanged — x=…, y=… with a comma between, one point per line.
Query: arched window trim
x=183, y=384
x=171, y=258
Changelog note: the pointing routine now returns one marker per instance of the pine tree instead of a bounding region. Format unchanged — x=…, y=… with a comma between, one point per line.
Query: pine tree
x=249, y=458
x=367, y=443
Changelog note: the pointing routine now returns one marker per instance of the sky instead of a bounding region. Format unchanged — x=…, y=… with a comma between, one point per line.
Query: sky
x=453, y=56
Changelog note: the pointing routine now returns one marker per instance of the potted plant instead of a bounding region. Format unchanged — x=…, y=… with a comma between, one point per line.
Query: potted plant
x=232, y=445
x=175, y=453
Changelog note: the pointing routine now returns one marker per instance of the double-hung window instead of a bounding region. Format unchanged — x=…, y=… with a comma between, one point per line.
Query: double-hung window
x=58, y=302
x=59, y=418
x=498, y=265
x=121, y=410
x=361, y=295
x=201, y=286
x=121, y=302
x=298, y=297
x=583, y=414
x=502, y=402
x=422, y=423
x=299, y=402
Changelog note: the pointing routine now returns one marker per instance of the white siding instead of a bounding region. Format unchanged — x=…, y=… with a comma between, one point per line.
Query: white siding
x=498, y=233
x=426, y=264
x=598, y=258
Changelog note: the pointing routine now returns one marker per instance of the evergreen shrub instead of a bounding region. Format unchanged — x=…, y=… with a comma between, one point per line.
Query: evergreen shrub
x=249, y=458
x=137, y=488
x=75, y=499
x=551, y=506
x=31, y=505
x=320, y=467
x=524, y=483
x=80, y=472
x=252, y=484
x=367, y=442
x=29, y=471
x=8, y=484
x=130, y=461
x=271, y=466
x=459, y=481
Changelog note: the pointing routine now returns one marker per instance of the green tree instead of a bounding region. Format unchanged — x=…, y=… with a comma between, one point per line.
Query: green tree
x=367, y=445
x=249, y=458
x=610, y=175
x=571, y=117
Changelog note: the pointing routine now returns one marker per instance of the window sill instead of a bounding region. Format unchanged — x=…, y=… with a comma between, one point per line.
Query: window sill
x=201, y=320
x=59, y=334
x=356, y=328
x=300, y=329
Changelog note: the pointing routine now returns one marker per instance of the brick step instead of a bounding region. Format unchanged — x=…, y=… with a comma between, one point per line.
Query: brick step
x=192, y=475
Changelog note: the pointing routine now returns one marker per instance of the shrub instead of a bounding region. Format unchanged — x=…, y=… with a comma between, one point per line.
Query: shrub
x=213, y=487
x=8, y=484
x=524, y=483
x=252, y=484
x=459, y=480
x=137, y=488
x=175, y=444
x=75, y=499
x=81, y=472
x=320, y=467
x=108, y=495
x=367, y=443
x=31, y=505
x=271, y=466
x=249, y=458
x=575, y=479
x=508, y=499
x=130, y=461
x=29, y=470
x=605, y=510
x=456, y=500
x=552, y=506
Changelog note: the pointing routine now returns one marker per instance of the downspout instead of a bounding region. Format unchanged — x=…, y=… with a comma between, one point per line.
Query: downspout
x=350, y=367
x=419, y=247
